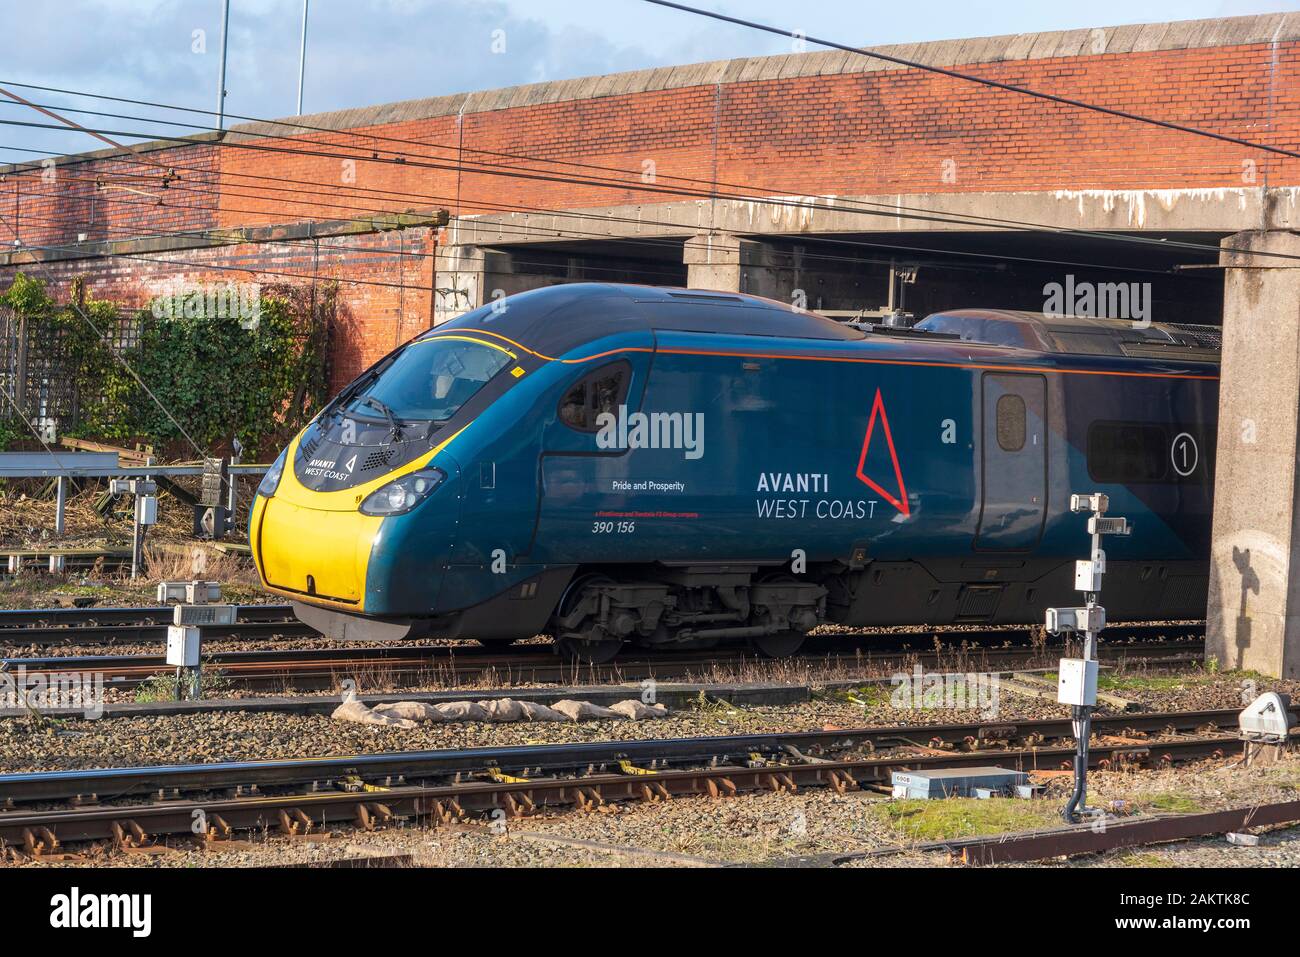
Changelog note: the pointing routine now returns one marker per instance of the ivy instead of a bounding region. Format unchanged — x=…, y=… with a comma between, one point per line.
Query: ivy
x=9, y=434
x=222, y=366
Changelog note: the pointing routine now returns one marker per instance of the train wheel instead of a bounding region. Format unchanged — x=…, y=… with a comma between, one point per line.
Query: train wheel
x=495, y=642
x=781, y=645
x=589, y=652
x=576, y=646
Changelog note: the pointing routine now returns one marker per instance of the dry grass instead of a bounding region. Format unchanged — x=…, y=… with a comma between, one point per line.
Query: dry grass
x=111, y=584
x=28, y=510
x=167, y=561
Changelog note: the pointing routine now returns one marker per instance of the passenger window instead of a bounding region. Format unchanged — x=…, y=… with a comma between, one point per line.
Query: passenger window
x=601, y=391
x=1127, y=452
x=1011, y=423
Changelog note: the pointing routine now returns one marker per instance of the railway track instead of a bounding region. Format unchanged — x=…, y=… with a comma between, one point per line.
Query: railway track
x=50, y=627
x=37, y=627
x=323, y=668
x=311, y=794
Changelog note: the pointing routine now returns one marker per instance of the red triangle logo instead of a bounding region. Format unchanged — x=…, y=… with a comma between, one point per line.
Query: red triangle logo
x=900, y=501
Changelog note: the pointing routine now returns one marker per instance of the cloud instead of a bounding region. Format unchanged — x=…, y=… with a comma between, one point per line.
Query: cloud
x=365, y=52
x=359, y=53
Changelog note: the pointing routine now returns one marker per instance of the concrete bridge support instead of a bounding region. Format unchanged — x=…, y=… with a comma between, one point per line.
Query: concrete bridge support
x=459, y=281
x=726, y=263
x=1254, y=607
x=713, y=261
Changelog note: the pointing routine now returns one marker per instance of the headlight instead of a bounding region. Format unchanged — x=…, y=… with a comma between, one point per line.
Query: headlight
x=401, y=495
x=271, y=480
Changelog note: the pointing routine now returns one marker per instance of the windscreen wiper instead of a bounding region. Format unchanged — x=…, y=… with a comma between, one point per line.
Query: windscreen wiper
x=339, y=401
x=379, y=406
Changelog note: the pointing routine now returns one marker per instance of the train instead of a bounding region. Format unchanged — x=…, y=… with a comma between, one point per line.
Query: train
x=617, y=465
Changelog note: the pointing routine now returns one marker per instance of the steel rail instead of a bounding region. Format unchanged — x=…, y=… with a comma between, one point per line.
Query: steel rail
x=322, y=805
x=13, y=619
x=71, y=626
x=149, y=634
x=554, y=758
x=317, y=668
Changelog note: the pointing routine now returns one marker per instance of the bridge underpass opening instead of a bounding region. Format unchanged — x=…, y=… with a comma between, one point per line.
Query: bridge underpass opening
x=932, y=272
x=845, y=275
x=508, y=270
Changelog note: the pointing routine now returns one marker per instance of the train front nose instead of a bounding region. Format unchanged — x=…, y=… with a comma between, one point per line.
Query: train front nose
x=321, y=554
x=377, y=548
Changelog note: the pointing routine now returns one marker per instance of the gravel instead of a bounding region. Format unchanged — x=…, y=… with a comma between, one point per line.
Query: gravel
x=683, y=832
x=240, y=735
x=758, y=829
x=62, y=744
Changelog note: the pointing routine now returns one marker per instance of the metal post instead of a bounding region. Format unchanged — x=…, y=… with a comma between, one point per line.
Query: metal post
x=20, y=366
x=232, y=498
x=137, y=540
x=1078, y=677
x=1082, y=714
x=221, y=83
x=60, y=502
x=302, y=54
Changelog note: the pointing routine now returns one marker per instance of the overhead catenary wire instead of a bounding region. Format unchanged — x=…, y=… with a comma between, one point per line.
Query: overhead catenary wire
x=121, y=359
x=981, y=80
x=859, y=207
x=9, y=397
x=522, y=232
x=460, y=166
x=85, y=317
x=459, y=149
x=637, y=221
x=640, y=221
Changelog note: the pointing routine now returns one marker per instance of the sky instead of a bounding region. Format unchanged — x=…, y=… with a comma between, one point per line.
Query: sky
x=364, y=52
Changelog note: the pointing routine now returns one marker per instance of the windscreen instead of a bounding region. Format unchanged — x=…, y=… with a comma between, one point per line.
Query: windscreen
x=430, y=380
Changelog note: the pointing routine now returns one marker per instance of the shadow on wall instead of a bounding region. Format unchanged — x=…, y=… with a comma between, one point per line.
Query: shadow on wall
x=351, y=348
x=1249, y=583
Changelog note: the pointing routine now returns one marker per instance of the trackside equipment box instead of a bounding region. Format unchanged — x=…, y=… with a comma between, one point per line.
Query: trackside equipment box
x=956, y=782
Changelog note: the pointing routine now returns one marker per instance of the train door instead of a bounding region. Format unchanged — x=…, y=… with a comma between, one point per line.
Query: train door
x=583, y=483
x=1013, y=462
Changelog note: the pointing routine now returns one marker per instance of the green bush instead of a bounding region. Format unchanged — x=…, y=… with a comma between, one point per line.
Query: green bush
x=9, y=434
x=216, y=372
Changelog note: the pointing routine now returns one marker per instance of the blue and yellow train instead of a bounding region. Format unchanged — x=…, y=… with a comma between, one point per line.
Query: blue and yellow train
x=616, y=464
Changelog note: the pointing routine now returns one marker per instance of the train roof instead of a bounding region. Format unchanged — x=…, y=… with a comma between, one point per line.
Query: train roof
x=1077, y=335
x=555, y=319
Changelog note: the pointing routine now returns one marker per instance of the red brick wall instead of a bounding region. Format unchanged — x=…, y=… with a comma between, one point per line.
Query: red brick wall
x=111, y=198
x=868, y=133
x=385, y=283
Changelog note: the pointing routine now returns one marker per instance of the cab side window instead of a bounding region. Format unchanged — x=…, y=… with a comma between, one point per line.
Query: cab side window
x=595, y=393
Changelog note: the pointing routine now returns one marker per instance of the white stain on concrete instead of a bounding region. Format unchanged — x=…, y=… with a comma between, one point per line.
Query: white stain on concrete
x=791, y=213
x=1136, y=204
